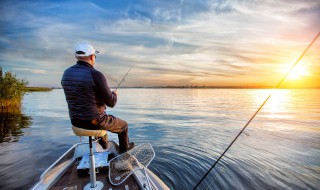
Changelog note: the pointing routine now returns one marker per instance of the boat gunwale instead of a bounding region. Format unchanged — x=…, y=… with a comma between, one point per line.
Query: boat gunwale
x=58, y=160
x=60, y=171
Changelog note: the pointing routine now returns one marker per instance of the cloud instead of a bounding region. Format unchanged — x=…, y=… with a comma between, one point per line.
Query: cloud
x=34, y=71
x=181, y=41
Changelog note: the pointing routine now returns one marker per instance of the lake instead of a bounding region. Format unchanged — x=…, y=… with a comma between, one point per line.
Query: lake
x=189, y=129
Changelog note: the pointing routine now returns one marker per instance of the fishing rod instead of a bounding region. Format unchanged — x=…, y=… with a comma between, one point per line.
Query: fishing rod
x=261, y=106
x=124, y=77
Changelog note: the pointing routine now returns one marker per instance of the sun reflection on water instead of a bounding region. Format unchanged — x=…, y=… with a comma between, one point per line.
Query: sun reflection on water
x=277, y=105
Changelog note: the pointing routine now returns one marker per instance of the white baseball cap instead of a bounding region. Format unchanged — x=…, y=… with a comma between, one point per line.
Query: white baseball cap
x=84, y=49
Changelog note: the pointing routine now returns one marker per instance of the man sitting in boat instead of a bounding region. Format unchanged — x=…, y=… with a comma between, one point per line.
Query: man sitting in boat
x=88, y=94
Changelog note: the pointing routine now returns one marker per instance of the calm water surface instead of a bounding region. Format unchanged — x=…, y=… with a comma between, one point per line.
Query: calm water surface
x=189, y=129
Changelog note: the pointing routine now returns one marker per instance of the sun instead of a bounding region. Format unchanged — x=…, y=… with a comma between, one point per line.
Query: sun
x=298, y=72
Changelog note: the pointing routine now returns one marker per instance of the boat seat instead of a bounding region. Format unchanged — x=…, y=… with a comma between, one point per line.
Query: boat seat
x=94, y=184
x=85, y=132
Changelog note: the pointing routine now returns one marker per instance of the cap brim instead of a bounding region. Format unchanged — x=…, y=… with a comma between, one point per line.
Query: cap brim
x=86, y=54
x=81, y=55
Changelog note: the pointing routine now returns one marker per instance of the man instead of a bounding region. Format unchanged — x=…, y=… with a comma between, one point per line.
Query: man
x=87, y=94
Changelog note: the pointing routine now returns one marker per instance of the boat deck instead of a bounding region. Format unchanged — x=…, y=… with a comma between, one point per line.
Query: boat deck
x=71, y=179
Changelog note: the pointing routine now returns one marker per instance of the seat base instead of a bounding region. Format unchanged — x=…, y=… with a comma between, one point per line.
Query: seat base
x=84, y=132
x=99, y=186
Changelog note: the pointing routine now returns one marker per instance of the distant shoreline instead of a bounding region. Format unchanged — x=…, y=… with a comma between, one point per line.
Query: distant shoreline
x=220, y=87
x=38, y=89
x=185, y=87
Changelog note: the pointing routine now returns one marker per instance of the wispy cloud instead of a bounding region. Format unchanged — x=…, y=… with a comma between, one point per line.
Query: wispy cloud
x=171, y=42
x=34, y=71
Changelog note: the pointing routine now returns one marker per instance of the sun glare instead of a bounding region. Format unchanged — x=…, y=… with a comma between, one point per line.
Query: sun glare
x=298, y=72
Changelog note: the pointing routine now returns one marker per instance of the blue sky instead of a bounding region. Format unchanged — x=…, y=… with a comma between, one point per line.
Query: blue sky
x=209, y=42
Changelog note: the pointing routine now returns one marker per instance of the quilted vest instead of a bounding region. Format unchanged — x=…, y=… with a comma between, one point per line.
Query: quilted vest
x=79, y=89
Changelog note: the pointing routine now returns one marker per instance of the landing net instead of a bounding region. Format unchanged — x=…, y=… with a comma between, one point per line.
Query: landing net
x=122, y=166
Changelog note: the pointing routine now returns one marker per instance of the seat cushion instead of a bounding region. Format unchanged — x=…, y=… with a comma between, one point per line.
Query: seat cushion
x=84, y=132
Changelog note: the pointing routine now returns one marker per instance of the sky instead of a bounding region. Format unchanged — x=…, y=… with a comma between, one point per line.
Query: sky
x=170, y=42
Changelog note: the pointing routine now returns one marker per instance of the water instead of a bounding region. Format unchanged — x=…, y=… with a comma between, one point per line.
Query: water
x=189, y=129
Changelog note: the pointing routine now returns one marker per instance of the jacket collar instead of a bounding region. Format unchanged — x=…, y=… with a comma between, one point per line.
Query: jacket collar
x=84, y=63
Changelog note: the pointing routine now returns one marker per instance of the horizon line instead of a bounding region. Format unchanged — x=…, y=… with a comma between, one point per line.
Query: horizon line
x=204, y=87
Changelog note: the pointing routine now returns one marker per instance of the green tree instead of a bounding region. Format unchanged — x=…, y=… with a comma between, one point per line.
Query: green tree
x=12, y=90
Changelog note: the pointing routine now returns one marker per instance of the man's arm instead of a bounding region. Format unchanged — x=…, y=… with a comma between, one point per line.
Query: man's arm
x=102, y=89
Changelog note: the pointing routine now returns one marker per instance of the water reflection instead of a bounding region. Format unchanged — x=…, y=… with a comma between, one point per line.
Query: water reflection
x=11, y=125
x=278, y=104
x=188, y=129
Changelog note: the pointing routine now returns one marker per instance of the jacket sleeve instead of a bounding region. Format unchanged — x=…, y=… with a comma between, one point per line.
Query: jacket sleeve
x=102, y=89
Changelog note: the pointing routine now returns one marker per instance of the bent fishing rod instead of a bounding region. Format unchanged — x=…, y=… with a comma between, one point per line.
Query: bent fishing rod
x=124, y=77
x=261, y=106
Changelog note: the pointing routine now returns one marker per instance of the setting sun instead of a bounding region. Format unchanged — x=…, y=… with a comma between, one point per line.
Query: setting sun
x=303, y=75
x=298, y=72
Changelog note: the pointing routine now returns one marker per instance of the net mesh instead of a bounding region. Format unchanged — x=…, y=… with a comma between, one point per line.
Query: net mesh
x=122, y=166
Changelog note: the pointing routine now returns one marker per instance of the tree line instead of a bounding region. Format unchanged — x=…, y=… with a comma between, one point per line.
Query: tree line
x=12, y=90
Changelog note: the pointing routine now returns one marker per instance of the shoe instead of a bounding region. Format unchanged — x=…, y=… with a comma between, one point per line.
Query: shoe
x=110, y=156
x=131, y=146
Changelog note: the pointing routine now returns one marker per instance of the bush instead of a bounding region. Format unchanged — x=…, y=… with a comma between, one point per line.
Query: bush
x=12, y=90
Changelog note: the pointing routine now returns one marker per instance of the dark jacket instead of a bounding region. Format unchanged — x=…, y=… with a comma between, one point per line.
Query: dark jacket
x=86, y=92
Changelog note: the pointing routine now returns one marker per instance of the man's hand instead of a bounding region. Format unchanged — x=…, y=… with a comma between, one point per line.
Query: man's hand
x=116, y=92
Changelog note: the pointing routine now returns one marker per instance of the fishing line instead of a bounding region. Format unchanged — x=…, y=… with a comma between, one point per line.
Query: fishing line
x=265, y=101
x=216, y=177
x=124, y=77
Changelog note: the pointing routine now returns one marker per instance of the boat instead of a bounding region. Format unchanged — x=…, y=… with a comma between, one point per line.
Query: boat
x=73, y=170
